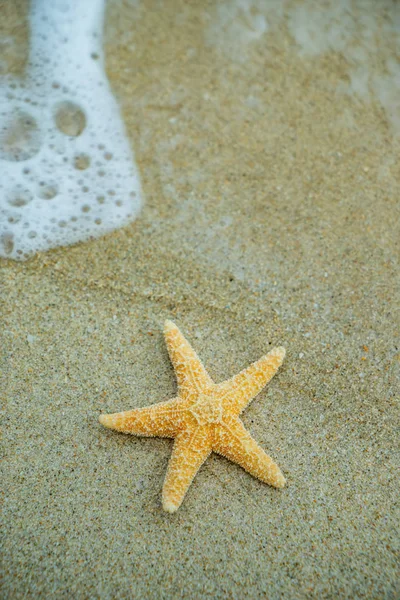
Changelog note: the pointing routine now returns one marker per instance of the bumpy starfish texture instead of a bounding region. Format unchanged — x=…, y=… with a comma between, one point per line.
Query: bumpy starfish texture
x=203, y=418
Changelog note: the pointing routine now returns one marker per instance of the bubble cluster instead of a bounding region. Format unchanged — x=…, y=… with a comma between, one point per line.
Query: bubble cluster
x=68, y=172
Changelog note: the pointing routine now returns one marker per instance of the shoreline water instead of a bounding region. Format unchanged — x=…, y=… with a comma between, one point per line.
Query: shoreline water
x=270, y=220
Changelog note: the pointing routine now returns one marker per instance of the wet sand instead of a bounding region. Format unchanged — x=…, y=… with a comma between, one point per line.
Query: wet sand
x=271, y=218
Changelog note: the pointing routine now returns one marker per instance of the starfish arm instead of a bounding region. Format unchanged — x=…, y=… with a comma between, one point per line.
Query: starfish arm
x=191, y=449
x=233, y=441
x=161, y=420
x=189, y=369
x=241, y=389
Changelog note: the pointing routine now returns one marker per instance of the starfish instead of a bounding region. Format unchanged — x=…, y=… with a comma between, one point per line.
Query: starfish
x=203, y=418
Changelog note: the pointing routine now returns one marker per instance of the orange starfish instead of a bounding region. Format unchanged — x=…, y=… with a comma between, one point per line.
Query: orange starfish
x=204, y=417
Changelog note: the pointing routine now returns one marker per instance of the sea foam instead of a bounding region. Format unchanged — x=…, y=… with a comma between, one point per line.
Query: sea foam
x=67, y=170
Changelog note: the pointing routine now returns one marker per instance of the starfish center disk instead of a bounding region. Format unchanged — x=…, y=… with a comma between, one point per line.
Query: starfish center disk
x=207, y=409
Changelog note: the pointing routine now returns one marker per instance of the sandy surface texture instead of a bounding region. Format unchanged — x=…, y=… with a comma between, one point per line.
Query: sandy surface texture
x=268, y=142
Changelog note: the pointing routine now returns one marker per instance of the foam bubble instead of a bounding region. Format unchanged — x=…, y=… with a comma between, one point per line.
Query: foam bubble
x=68, y=169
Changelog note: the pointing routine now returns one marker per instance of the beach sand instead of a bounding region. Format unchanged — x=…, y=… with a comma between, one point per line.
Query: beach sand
x=271, y=218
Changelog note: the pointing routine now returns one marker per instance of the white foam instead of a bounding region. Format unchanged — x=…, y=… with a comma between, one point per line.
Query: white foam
x=68, y=172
